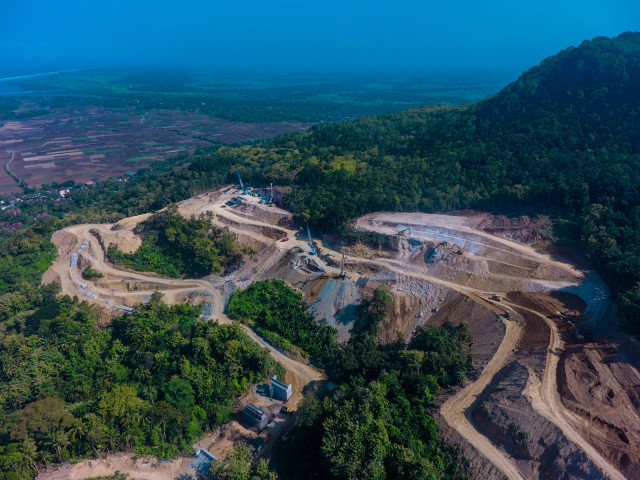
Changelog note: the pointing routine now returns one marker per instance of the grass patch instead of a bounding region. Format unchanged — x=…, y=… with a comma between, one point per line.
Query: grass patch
x=139, y=158
x=91, y=273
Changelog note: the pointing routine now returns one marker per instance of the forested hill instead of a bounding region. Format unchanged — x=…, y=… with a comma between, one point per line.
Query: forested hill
x=555, y=136
x=590, y=93
x=564, y=137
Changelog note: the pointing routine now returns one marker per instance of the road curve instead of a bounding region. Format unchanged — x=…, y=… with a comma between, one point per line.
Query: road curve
x=70, y=279
x=454, y=409
x=546, y=401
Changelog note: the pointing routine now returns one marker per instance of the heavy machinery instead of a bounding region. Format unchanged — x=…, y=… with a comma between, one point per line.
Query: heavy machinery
x=244, y=190
x=313, y=248
x=343, y=273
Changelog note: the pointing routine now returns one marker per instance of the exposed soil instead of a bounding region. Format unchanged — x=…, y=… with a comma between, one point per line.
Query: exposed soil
x=550, y=298
x=528, y=306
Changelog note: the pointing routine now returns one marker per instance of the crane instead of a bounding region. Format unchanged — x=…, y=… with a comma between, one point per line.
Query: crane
x=342, y=272
x=244, y=190
x=313, y=249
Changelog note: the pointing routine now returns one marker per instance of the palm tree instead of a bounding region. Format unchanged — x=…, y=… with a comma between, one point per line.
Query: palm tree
x=78, y=429
x=58, y=440
x=78, y=432
x=112, y=438
x=28, y=452
x=148, y=393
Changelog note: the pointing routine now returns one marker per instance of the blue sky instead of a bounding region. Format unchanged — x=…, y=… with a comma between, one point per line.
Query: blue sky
x=303, y=35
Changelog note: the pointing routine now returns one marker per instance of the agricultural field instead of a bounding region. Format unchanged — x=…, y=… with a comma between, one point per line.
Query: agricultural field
x=93, y=124
x=252, y=98
x=89, y=144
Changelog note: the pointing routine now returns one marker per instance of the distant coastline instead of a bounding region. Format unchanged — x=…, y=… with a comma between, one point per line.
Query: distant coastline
x=34, y=75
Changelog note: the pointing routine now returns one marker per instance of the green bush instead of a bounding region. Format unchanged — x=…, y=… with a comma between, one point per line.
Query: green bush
x=90, y=273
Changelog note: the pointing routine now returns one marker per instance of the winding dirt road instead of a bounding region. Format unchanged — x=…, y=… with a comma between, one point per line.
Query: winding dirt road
x=543, y=395
x=546, y=401
x=71, y=280
x=506, y=256
x=455, y=408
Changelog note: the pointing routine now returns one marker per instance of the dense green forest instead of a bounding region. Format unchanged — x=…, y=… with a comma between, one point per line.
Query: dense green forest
x=175, y=246
x=24, y=256
x=271, y=306
x=152, y=382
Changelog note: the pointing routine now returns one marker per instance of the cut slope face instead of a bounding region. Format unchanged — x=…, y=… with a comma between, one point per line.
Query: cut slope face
x=518, y=279
x=442, y=268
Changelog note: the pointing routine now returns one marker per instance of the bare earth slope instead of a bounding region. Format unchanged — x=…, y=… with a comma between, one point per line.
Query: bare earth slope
x=490, y=266
x=520, y=301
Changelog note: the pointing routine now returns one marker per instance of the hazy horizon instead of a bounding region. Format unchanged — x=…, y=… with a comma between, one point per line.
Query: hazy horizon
x=285, y=37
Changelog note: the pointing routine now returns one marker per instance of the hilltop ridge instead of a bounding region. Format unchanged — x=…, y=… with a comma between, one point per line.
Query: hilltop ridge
x=592, y=87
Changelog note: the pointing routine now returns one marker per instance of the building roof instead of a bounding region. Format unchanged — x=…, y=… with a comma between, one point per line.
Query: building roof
x=277, y=383
x=253, y=411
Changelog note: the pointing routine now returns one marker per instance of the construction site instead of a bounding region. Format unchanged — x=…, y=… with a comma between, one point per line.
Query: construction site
x=554, y=392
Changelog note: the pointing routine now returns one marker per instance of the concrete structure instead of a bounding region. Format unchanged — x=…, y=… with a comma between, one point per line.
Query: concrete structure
x=280, y=391
x=254, y=417
x=202, y=460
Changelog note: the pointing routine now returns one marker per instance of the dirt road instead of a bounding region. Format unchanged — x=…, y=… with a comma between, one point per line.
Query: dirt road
x=455, y=408
x=544, y=396
x=78, y=241
x=71, y=280
x=546, y=401
x=464, y=232
x=488, y=262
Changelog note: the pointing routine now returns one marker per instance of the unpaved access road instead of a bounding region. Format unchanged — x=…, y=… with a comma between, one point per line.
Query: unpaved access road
x=462, y=231
x=70, y=280
x=543, y=395
x=69, y=242
x=546, y=401
x=513, y=257
x=455, y=408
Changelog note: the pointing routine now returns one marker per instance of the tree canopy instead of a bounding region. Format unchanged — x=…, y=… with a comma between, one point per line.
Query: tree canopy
x=153, y=382
x=175, y=246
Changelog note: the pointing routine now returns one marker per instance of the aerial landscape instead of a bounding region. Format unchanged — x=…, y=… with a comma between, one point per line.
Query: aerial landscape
x=301, y=241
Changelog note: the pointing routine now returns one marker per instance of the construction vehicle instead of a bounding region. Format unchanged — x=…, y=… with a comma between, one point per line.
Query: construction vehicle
x=244, y=190
x=313, y=248
x=343, y=274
